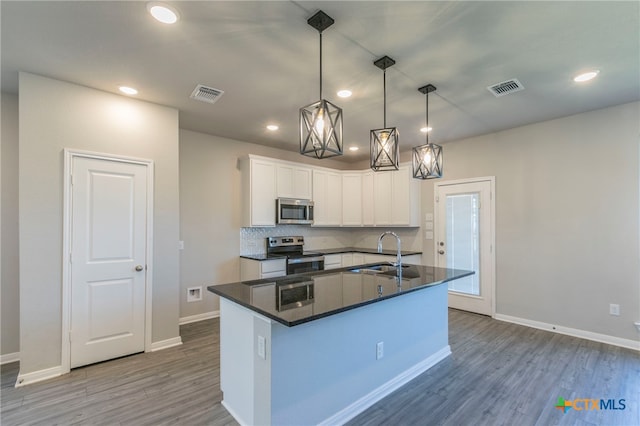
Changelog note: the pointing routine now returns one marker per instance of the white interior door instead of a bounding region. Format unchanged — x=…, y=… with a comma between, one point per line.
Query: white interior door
x=108, y=259
x=464, y=240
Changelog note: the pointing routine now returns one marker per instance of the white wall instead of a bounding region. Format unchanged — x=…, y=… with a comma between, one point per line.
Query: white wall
x=55, y=115
x=9, y=284
x=567, y=208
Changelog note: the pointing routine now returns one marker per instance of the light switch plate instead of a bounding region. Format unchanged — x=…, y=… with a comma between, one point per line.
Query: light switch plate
x=428, y=225
x=428, y=216
x=428, y=235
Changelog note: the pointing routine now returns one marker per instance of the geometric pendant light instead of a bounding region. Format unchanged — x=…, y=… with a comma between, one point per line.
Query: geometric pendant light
x=385, y=151
x=321, y=121
x=427, y=158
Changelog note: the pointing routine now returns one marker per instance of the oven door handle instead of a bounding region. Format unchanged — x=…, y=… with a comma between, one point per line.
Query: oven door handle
x=305, y=260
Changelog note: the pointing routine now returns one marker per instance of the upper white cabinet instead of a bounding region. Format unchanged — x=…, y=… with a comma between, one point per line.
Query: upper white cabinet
x=258, y=192
x=327, y=197
x=368, y=217
x=293, y=181
x=342, y=198
x=405, y=198
x=382, y=198
x=352, y=199
x=396, y=198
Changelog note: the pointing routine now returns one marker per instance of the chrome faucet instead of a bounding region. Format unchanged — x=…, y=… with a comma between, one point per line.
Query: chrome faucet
x=398, y=256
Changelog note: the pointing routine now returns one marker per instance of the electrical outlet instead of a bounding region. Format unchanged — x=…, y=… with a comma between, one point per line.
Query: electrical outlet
x=194, y=294
x=379, y=350
x=180, y=245
x=614, y=309
x=637, y=324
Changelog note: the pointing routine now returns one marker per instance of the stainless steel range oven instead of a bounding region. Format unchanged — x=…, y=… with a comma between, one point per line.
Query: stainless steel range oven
x=298, y=260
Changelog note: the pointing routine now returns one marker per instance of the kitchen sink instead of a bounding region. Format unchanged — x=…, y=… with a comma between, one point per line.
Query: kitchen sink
x=383, y=268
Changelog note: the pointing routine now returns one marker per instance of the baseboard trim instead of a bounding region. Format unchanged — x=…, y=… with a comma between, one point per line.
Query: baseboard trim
x=9, y=358
x=596, y=337
x=166, y=344
x=351, y=411
x=235, y=415
x=38, y=376
x=199, y=317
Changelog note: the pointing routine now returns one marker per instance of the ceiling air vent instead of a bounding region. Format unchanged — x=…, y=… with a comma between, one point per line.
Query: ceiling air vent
x=506, y=87
x=206, y=94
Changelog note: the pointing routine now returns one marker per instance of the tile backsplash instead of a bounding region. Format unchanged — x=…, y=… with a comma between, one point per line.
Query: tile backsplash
x=253, y=240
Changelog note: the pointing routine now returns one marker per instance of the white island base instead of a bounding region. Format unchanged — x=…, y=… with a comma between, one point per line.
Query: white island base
x=326, y=371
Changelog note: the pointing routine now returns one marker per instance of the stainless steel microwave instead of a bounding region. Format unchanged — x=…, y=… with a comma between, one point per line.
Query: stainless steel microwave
x=294, y=211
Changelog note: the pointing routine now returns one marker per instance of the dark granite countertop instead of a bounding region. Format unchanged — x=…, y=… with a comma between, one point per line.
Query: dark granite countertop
x=334, y=291
x=261, y=257
x=365, y=250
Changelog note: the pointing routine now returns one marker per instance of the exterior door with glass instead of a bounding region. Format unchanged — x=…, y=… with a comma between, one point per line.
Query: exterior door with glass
x=465, y=240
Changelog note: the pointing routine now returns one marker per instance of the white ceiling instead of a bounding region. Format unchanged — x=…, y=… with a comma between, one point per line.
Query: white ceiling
x=265, y=57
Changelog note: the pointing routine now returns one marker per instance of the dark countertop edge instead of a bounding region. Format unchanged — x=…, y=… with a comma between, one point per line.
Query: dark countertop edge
x=212, y=289
x=263, y=257
x=365, y=250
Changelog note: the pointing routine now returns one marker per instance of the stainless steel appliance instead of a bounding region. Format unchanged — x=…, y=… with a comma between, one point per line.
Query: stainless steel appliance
x=294, y=211
x=293, y=293
x=297, y=259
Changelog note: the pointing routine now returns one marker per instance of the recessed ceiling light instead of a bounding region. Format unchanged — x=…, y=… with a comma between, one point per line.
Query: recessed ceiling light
x=353, y=148
x=272, y=127
x=426, y=129
x=128, y=90
x=163, y=13
x=586, y=76
x=344, y=93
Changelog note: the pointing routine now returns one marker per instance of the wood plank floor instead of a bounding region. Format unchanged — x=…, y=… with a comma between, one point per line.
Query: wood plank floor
x=498, y=374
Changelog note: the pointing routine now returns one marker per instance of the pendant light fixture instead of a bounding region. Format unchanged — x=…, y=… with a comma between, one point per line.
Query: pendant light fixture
x=385, y=152
x=321, y=122
x=427, y=158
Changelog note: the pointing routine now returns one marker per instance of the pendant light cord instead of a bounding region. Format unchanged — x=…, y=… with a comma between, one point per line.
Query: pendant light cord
x=320, y=65
x=384, y=85
x=427, y=116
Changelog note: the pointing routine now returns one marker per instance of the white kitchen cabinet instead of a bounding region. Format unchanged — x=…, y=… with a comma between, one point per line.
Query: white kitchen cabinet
x=251, y=269
x=405, y=198
x=382, y=198
x=258, y=192
x=396, y=198
x=327, y=197
x=332, y=261
x=293, y=181
x=413, y=259
x=352, y=199
x=368, y=217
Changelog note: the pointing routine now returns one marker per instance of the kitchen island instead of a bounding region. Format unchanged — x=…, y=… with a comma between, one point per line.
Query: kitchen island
x=321, y=347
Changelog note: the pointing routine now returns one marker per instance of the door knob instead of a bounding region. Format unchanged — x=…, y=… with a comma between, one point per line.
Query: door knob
x=441, y=251
x=139, y=268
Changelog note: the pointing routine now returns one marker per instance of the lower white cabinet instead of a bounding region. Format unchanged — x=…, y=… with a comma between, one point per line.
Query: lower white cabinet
x=332, y=261
x=251, y=269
